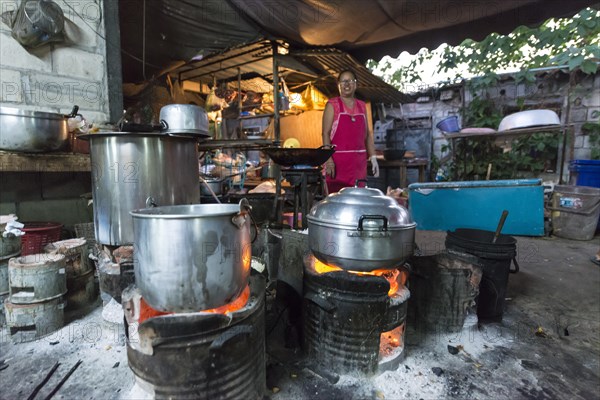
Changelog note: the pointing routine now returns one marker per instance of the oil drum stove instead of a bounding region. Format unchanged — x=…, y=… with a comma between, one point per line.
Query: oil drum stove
x=355, y=294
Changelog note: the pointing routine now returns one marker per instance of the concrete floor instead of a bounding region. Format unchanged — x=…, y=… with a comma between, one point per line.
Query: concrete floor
x=556, y=294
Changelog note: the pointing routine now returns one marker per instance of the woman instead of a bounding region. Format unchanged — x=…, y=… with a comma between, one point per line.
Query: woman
x=345, y=126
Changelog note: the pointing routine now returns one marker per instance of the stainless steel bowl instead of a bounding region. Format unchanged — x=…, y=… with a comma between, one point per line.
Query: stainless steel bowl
x=32, y=131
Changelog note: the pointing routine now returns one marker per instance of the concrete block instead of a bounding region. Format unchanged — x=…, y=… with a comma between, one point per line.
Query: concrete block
x=579, y=114
x=82, y=19
x=78, y=63
x=13, y=55
x=578, y=142
x=593, y=113
x=53, y=91
x=11, y=90
x=582, y=154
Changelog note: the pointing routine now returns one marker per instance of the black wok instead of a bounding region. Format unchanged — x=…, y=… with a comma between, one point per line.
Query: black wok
x=289, y=157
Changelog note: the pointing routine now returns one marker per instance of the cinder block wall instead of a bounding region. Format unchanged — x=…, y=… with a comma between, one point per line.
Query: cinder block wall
x=53, y=78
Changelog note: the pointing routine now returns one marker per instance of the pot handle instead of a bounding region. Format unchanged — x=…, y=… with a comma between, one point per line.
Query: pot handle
x=381, y=217
x=229, y=334
x=73, y=112
x=360, y=180
x=164, y=125
x=240, y=219
x=150, y=202
x=319, y=301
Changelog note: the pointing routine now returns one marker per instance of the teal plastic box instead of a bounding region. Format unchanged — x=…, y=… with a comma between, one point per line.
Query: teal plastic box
x=443, y=206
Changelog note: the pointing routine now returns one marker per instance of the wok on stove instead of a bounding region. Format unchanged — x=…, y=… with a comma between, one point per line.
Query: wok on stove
x=290, y=157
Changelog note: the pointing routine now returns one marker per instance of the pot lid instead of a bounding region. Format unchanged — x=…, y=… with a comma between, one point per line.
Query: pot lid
x=364, y=206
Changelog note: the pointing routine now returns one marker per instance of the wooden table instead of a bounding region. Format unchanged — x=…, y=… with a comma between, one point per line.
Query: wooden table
x=403, y=165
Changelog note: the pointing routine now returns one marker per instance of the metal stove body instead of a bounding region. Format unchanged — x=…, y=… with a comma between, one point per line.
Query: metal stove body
x=201, y=355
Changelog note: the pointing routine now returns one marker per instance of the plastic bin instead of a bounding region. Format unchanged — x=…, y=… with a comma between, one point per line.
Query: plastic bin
x=38, y=235
x=575, y=211
x=443, y=206
x=495, y=259
x=584, y=173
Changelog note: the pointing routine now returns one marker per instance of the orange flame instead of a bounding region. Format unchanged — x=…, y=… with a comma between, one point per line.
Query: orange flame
x=240, y=302
x=391, y=275
x=391, y=340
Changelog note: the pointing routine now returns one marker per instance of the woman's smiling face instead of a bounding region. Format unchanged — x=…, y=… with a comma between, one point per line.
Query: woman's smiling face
x=347, y=84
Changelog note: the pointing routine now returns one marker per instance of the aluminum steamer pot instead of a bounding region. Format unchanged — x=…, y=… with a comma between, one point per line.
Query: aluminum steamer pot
x=192, y=258
x=360, y=229
x=137, y=170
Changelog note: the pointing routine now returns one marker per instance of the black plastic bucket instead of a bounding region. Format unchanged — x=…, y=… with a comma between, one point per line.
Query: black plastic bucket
x=495, y=258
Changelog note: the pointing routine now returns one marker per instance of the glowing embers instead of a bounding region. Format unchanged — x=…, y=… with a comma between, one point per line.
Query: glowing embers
x=240, y=302
x=354, y=321
x=395, y=277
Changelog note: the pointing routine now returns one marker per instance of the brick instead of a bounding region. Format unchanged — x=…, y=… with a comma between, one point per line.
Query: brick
x=78, y=63
x=13, y=55
x=11, y=90
x=53, y=91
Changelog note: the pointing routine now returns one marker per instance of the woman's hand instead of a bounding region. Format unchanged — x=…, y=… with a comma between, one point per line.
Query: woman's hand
x=330, y=169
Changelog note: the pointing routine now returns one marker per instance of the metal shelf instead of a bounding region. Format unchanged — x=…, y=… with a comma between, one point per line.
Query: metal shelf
x=240, y=144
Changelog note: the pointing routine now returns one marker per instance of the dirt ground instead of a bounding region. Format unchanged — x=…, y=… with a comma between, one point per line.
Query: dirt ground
x=547, y=345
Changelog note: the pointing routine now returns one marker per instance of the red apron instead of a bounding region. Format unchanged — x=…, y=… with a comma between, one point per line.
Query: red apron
x=348, y=134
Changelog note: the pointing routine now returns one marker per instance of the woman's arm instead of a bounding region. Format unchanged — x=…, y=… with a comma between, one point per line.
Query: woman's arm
x=370, y=146
x=327, y=124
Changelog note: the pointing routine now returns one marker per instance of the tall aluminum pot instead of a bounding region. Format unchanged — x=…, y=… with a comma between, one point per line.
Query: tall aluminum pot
x=137, y=170
x=192, y=257
x=360, y=229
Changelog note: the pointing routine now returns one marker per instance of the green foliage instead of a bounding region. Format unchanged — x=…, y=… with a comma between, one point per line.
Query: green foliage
x=574, y=42
x=528, y=156
x=482, y=113
x=592, y=129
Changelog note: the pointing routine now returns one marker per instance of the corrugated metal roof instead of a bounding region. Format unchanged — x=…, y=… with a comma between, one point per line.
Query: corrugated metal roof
x=319, y=66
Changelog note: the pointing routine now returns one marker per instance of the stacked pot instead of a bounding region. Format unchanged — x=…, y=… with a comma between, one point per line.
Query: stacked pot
x=37, y=283
x=10, y=246
x=81, y=286
x=142, y=168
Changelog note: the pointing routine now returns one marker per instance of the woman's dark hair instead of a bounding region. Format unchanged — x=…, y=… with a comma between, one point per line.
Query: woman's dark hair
x=349, y=71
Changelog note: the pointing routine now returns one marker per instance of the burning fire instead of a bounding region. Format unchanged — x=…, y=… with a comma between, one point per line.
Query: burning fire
x=391, y=275
x=390, y=341
x=240, y=302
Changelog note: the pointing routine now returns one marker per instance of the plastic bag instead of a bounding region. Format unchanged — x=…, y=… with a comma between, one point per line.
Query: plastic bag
x=38, y=22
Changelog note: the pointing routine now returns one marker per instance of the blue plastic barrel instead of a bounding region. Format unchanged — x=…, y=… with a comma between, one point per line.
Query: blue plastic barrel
x=585, y=173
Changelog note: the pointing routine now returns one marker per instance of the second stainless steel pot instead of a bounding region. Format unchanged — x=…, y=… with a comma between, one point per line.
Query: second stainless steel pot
x=360, y=229
x=184, y=119
x=136, y=170
x=192, y=258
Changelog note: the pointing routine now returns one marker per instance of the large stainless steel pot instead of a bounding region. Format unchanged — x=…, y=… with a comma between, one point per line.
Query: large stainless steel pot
x=184, y=119
x=135, y=170
x=192, y=258
x=360, y=229
x=32, y=131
